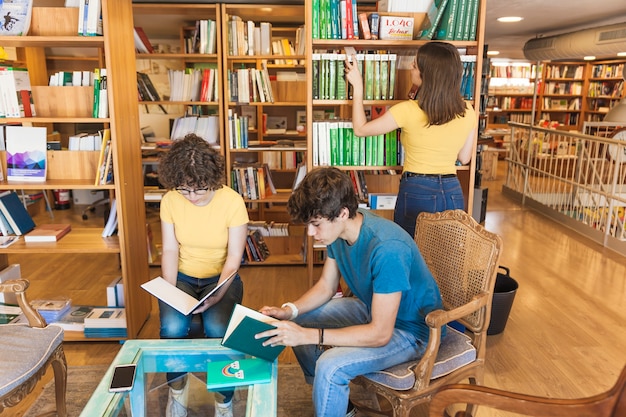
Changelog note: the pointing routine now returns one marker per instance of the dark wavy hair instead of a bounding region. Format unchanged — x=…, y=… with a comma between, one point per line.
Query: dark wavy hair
x=322, y=193
x=191, y=162
x=440, y=93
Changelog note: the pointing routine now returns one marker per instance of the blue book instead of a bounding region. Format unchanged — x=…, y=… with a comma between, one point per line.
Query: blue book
x=16, y=214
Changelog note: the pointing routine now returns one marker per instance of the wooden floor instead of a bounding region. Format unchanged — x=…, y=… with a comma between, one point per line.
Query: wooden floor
x=564, y=338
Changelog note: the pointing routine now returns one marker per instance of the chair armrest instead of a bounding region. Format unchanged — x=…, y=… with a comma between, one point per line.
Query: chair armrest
x=438, y=318
x=513, y=402
x=19, y=286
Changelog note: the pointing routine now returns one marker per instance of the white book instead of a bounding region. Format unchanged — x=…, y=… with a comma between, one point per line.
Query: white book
x=94, y=18
x=106, y=317
x=112, y=299
x=176, y=297
x=266, y=38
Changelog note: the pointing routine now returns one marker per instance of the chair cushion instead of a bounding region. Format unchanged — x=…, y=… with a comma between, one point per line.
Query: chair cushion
x=25, y=350
x=455, y=350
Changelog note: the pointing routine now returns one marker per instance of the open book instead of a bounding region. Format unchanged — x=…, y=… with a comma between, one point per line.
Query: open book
x=243, y=325
x=176, y=297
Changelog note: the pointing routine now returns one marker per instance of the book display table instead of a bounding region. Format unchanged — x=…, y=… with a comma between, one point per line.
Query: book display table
x=155, y=357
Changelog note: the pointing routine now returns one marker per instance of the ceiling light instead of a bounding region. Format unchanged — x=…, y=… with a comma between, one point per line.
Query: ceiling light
x=589, y=58
x=508, y=19
x=493, y=52
x=621, y=54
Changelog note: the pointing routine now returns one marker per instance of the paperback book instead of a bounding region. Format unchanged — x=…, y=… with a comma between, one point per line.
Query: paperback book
x=16, y=215
x=26, y=153
x=243, y=325
x=48, y=232
x=234, y=373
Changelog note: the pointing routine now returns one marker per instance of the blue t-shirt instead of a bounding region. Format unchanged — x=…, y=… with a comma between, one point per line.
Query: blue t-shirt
x=384, y=259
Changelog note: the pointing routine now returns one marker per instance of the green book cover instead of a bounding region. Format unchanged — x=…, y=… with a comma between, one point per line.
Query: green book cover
x=237, y=372
x=392, y=75
x=473, y=20
x=445, y=31
x=333, y=129
x=369, y=77
x=341, y=80
x=315, y=14
x=332, y=76
x=459, y=20
x=315, y=62
x=243, y=325
x=430, y=32
x=377, y=77
x=384, y=76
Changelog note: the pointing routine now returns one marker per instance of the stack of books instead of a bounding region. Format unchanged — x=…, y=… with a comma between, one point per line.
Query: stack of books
x=106, y=322
x=52, y=310
x=74, y=318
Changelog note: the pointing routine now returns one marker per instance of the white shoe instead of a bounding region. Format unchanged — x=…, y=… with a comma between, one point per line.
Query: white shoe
x=177, y=402
x=224, y=409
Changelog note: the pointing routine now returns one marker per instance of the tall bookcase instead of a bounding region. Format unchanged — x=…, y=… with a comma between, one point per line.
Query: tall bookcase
x=511, y=93
x=405, y=51
x=76, y=170
x=170, y=29
x=570, y=93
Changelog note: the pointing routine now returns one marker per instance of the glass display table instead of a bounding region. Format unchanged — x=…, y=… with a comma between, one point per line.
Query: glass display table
x=156, y=357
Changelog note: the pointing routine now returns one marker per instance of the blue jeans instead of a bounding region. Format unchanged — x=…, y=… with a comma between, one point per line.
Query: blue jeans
x=175, y=325
x=426, y=193
x=330, y=371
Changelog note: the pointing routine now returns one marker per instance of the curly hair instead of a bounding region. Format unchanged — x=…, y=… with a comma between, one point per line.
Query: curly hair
x=191, y=162
x=323, y=193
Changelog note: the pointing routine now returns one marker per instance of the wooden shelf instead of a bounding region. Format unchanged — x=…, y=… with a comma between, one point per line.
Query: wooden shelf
x=77, y=241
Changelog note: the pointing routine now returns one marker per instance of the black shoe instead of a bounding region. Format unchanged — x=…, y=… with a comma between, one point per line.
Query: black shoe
x=351, y=412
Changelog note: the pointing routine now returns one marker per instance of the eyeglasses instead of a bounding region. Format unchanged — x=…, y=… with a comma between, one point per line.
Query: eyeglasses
x=198, y=191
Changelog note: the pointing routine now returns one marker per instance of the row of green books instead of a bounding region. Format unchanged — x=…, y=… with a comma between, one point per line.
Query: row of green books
x=379, y=76
x=335, y=144
x=456, y=20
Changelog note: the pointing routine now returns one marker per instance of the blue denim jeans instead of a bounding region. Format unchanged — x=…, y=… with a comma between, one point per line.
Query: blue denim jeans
x=330, y=371
x=175, y=325
x=426, y=193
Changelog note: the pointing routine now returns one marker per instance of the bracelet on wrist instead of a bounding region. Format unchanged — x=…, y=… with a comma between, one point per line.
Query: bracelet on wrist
x=320, y=343
x=294, y=310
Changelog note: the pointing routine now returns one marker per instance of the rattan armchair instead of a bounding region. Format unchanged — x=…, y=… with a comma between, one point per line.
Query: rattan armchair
x=611, y=403
x=27, y=351
x=463, y=257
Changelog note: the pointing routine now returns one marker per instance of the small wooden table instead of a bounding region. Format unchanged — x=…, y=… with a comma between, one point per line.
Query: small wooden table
x=178, y=355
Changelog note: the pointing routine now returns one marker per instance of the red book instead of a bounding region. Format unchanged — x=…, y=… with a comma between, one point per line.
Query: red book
x=144, y=39
x=47, y=233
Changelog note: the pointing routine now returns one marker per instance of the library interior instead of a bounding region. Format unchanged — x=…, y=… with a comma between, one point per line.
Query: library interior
x=532, y=272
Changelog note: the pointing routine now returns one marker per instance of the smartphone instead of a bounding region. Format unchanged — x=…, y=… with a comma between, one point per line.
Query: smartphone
x=123, y=378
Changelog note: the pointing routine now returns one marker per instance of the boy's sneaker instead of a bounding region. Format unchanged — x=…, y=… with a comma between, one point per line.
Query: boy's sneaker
x=224, y=409
x=351, y=412
x=177, y=402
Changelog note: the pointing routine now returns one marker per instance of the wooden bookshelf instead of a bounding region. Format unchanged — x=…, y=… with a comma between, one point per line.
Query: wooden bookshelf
x=76, y=170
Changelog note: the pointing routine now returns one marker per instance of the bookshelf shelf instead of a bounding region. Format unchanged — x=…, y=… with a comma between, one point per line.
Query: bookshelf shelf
x=55, y=120
x=77, y=241
x=72, y=184
x=54, y=41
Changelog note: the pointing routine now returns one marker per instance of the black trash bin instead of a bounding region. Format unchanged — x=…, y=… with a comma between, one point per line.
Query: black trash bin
x=503, y=296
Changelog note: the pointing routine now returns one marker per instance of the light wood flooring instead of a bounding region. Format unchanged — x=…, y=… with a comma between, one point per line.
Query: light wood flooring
x=564, y=338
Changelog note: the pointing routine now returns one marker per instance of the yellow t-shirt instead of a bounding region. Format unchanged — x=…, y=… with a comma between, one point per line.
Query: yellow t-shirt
x=431, y=149
x=202, y=232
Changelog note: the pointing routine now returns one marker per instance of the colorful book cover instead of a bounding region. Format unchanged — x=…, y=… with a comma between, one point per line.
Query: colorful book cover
x=238, y=372
x=16, y=17
x=26, y=153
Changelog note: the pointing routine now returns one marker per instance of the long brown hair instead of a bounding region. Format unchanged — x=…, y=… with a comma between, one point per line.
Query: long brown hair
x=440, y=93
